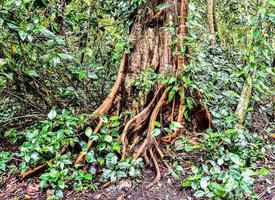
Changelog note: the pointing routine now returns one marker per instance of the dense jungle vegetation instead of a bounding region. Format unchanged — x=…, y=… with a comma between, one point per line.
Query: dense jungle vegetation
x=137, y=99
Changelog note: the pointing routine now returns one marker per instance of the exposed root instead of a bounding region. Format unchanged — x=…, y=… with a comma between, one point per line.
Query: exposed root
x=153, y=111
x=181, y=119
x=89, y=145
x=168, y=138
x=148, y=139
x=161, y=154
x=106, y=184
x=40, y=167
x=137, y=122
x=105, y=106
x=158, y=176
x=34, y=171
x=146, y=159
x=157, y=147
x=136, y=140
x=173, y=110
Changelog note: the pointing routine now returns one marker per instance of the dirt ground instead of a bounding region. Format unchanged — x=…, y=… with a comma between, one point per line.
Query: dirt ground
x=169, y=188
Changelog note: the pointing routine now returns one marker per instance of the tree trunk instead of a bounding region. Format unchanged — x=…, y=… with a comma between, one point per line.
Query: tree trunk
x=211, y=23
x=151, y=37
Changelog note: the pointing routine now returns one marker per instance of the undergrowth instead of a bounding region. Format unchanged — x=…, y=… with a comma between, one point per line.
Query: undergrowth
x=42, y=142
x=229, y=164
x=227, y=167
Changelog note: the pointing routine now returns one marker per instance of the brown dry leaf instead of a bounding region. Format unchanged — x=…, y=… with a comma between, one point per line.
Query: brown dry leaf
x=32, y=190
x=120, y=197
x=27, y=197
x=194, y=141
x=101, y=196
x=48, y=193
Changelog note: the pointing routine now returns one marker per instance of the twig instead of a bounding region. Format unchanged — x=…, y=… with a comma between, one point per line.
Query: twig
x=20, y=117
x=34, y=106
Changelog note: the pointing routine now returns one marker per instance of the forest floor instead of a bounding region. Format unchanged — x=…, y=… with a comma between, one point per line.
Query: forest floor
x=168, y=188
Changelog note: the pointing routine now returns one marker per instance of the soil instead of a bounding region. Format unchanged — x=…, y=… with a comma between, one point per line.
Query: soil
x=168, y=188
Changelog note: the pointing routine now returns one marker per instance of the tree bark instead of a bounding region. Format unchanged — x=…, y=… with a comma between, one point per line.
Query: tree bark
x=211, y=23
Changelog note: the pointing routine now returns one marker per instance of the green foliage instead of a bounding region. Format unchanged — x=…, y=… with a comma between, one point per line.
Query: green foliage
x=173, y=126
x=144, y=82
x=116, y=170
x=58, y=55
x=43, y=141
x=229, y=168
x=4, y=159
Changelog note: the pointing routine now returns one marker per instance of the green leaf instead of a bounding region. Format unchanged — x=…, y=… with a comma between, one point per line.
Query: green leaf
x=220, y=161
x=204, y=183
x=262, y=10
x=163, y=6
x=174, y=125
x=121, y=174
x=47, y=33
x=114, y=118
x=263, y=171
x=59, y=193
x=61, y=184
x=88, y=132
x=52, y=114
x=123, y=165
x=116, y=147
x=92, y=76
x=194, y=169
x=171, y=95
x=22, y=34
x=108, y=138
x=90, y=156
x=231, y=184
x=186, y=184
x=177, y=124
x=33, y=73
x=65, y=56
x=157, y=124
x=199, y=193
x=236, y=159
x=156, y=132
x=249, y=80
x=229, y=131
x=35, y=156
x=111, y=160
x=104, y=119
x=88, y=176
